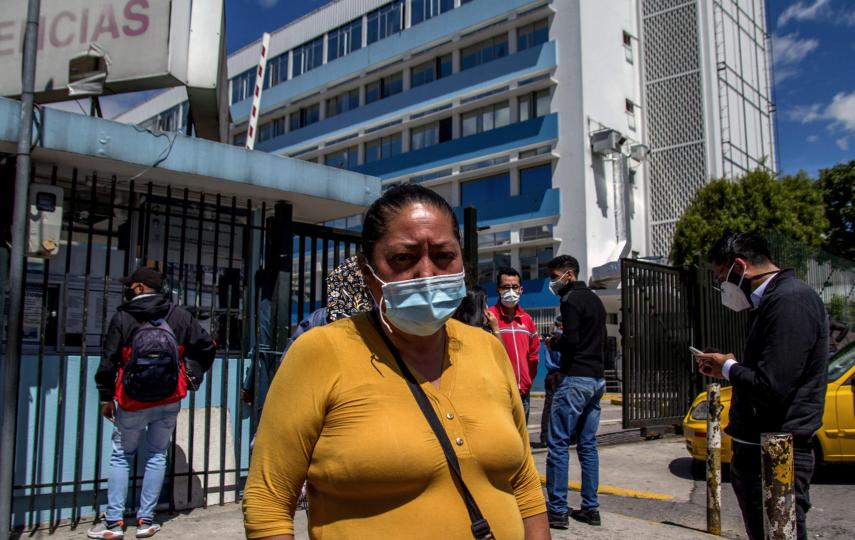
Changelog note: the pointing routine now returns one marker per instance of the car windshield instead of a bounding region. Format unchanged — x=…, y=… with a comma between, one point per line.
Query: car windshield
x=841, y=362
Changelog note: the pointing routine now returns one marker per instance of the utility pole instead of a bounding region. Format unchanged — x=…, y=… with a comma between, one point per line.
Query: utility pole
x=12, y=358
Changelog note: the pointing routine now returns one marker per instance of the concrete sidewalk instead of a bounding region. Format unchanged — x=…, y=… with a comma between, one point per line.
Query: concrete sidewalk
x=226, y=522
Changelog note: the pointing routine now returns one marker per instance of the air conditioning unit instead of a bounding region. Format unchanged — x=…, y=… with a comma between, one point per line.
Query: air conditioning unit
x=607, y=141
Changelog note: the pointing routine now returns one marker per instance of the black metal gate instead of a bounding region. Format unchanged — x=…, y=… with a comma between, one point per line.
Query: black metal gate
x=242, y=267
x=664, y=311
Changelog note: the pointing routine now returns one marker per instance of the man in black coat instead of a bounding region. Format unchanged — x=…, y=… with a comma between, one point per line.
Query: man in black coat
x=779, y=382
x=156, y=419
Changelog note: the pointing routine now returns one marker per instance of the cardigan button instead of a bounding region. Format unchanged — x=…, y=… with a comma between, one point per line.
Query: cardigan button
x=459, y=441
x=450, y=416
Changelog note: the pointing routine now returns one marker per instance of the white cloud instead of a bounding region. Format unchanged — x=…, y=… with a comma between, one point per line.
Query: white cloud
x=842, y=143
x=840, y=113
x=803, y=11
x=788, y=50
x=812, y=138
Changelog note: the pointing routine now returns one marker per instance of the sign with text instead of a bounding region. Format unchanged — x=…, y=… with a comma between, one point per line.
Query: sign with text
x=146, y=42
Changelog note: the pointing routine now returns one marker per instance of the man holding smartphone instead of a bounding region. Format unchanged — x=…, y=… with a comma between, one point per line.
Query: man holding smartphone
x=779, y=382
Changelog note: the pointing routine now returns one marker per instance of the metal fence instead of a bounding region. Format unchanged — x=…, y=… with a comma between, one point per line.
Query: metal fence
x=666, y=309
x=242, y=267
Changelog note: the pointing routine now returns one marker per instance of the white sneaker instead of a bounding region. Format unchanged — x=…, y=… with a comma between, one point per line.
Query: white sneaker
x=146, y=528
x=103, y=530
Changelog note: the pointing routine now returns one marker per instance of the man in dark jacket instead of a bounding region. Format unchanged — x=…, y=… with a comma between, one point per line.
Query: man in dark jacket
x=145, y=303
x=779, y=382
x=576, y=401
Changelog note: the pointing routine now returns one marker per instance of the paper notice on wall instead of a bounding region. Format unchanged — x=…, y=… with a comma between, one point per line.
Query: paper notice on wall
x=32, y=320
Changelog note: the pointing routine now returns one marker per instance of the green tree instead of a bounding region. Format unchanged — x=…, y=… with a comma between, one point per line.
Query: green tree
x=757, y=202
x=838, y=194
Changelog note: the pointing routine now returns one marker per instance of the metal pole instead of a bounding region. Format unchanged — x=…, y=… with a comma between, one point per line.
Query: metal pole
x=779, y=497
x=12, y=358
x=714, y=459
x=470, y=245
x=283, y=248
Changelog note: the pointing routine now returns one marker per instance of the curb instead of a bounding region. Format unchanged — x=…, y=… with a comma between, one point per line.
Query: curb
x=575, y=485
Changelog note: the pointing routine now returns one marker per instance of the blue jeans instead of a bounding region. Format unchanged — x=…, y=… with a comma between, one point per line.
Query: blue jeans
x=526, y=399
x=575, y=410
x=158, y=423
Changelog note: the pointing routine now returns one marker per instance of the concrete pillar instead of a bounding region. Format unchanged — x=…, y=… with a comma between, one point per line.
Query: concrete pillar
x=405, y=140
x=364, y=38
x=456, y=123
x=515, y=181
x=406, y=78
x=455, y=193
x=325, y=49
x=290, y=65
x=360, y=153
x=408, y=13
x=514, y=104
x=512, y=40
x=455, y=61
x=322, y=108
x=362, y=95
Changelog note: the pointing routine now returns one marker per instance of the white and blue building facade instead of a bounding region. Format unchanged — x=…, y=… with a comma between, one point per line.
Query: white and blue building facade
x=493, y=104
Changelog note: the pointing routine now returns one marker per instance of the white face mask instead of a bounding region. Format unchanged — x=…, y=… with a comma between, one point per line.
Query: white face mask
x=421, y=306
x=510, y=298
x=732, y=296
x=557, y=284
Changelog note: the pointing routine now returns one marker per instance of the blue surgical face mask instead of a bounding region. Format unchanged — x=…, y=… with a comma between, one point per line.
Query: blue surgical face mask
x=421, y=306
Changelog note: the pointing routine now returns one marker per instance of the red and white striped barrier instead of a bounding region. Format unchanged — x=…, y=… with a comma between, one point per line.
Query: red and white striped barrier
x=256, y=96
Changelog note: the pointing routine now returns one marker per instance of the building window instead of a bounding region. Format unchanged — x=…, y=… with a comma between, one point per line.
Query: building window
x=533, y=262
x=423, y=10
x=383, y=148
x=430, y=134
x=485, y=193
x=430, y=71
x=486, y=118
x=239, y=139
x=269, y=130
x=538, y=232
x=494, y=239
x=489, y=263
x=532, y=35
x=243, y=85
x=276, y=70
x=385, y=87
x=630, y=114
x=308, y=56
x=483, y=52
x=534, y=105
x=534, y=181
x=305, y=116
x=346, y=158
x=385, y=21
x=627, y=46
x=344, y=40
x=343, y=102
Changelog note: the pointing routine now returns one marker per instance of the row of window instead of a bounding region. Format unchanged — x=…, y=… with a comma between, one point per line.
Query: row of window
x=530, y=105
x=381, y=23
x=532, y=262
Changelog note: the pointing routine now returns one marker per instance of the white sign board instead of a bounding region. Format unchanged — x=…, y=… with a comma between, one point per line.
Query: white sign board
x=150, y=44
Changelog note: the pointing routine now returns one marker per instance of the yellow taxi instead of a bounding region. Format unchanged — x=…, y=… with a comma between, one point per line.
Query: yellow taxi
x=835, y=441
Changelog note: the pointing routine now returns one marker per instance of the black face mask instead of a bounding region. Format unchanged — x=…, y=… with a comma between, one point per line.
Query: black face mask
x=128, y=293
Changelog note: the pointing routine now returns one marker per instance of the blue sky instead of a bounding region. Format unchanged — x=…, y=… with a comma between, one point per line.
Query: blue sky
x=814, y=61
x=813, y=44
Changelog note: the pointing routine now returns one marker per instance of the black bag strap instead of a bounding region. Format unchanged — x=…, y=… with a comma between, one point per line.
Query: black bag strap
x=480, y=527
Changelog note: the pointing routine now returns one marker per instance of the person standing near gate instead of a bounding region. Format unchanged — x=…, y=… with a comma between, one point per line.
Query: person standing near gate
x=518, y=332
x=576, y=401
x=153, y=352
x=553, y=370
x=779, y=382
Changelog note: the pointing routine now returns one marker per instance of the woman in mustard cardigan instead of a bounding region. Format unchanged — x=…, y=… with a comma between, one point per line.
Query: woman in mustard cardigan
x=341, y=415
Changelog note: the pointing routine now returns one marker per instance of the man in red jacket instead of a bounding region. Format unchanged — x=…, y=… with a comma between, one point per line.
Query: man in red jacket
x=517, y=330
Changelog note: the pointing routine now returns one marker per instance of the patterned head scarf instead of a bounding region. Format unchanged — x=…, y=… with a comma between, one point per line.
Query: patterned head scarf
x=347, y=294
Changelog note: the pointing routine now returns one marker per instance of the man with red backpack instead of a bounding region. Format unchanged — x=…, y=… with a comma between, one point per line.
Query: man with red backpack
x=153, y=353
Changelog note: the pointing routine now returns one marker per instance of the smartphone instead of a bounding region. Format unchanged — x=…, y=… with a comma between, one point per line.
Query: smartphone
x=694, y=350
